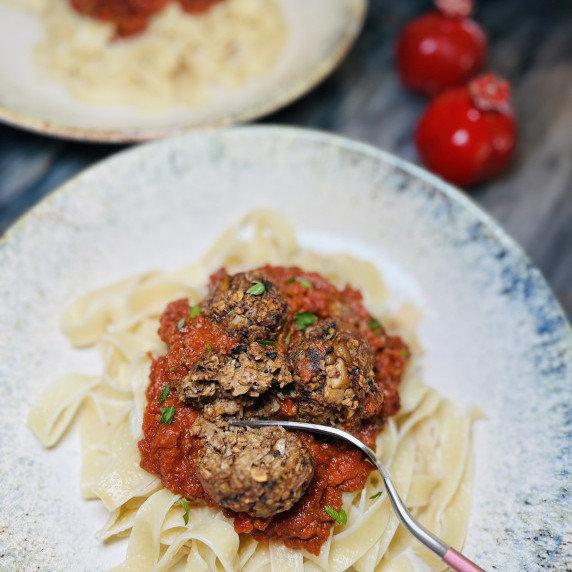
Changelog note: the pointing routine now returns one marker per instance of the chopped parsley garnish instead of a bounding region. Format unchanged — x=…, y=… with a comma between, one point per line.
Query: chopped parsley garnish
x=304, y=319
x=209, y=347
x=167, y=414
x=195, y=311
x=404, y=352
x=340, y=517
x=291, y=392
x=375, y=326
x=185, y=505
x=302, y=281
x=178, y=366
x=266, y=342
x=180, y=324
x=376, y=495
x=331, y=334
x=164, y=393
x=288, y=338
x=256, y=289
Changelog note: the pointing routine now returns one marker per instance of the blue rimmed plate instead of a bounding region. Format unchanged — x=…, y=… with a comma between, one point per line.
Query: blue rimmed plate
x=492, y=330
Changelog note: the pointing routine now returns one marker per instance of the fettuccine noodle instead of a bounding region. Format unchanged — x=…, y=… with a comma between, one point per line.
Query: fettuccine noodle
x=426, y=446
x=180, y=59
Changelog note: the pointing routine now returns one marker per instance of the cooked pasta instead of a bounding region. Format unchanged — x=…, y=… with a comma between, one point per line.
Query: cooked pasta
x=426, y=446
x=180, y=59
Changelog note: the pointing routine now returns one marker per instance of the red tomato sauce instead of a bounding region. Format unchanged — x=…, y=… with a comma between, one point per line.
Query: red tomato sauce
x=167, y=448
x=132, y=16
x=325, y=300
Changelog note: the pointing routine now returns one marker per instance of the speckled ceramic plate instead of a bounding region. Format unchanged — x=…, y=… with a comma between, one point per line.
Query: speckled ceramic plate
x=29, y=99
x=493, y=333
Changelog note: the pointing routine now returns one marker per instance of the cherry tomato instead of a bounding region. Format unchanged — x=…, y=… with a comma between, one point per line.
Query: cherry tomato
x=467, y=134
x=441, y=49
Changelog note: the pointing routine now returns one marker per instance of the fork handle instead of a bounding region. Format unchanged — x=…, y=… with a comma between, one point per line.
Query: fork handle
x=460, y=563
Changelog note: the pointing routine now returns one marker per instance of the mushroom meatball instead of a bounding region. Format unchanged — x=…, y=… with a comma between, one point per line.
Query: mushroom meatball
x=249, y=305
x=225, y=382
x=261, y=471
x=332, y=368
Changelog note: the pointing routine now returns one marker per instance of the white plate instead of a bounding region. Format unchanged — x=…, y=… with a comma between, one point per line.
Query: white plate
x=320, y=32
x=493, y=332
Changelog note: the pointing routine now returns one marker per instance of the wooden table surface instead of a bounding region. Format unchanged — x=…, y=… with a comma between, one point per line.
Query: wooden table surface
x=530, y=44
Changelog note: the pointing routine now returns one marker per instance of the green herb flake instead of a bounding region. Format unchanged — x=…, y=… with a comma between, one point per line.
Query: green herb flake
x=186, y=507
x=302, y=281
x=164, y=393
x=404, y=353
x=256, y=289
x=209, y=347
x=288, y=338
x=330, y=335
x=180, y=324
x=375, y=326
x=291, y=392
x=167, y=414
x=304, y=319
x=340, y=517
x=175, y=367
x=266, y=342
x=195, y=311
x=375, y=496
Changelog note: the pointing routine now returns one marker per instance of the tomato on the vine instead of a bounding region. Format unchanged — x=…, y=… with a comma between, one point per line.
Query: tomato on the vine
x=441, y=49
x=467, y=134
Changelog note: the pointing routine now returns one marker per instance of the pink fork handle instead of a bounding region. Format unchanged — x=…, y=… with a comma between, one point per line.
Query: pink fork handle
x=459, y=562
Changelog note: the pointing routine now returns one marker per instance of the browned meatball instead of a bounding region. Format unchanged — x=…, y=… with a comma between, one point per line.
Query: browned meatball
x=261, y=471
x=226, y=382
x=259, y=315
x=244, y=407
x=332, y=368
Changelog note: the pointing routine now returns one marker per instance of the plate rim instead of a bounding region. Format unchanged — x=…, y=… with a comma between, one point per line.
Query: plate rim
x=450, y=191
x=294, y=90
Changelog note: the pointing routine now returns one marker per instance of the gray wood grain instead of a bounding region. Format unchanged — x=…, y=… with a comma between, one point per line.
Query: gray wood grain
x=530, y=44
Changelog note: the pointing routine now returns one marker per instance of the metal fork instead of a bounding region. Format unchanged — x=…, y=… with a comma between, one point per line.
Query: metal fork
x=449, y=555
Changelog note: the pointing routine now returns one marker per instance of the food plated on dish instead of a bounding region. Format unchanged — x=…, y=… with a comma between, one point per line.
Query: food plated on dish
x=482, y=318
x=113, y=71
x=273, y=342
x=112, y=54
